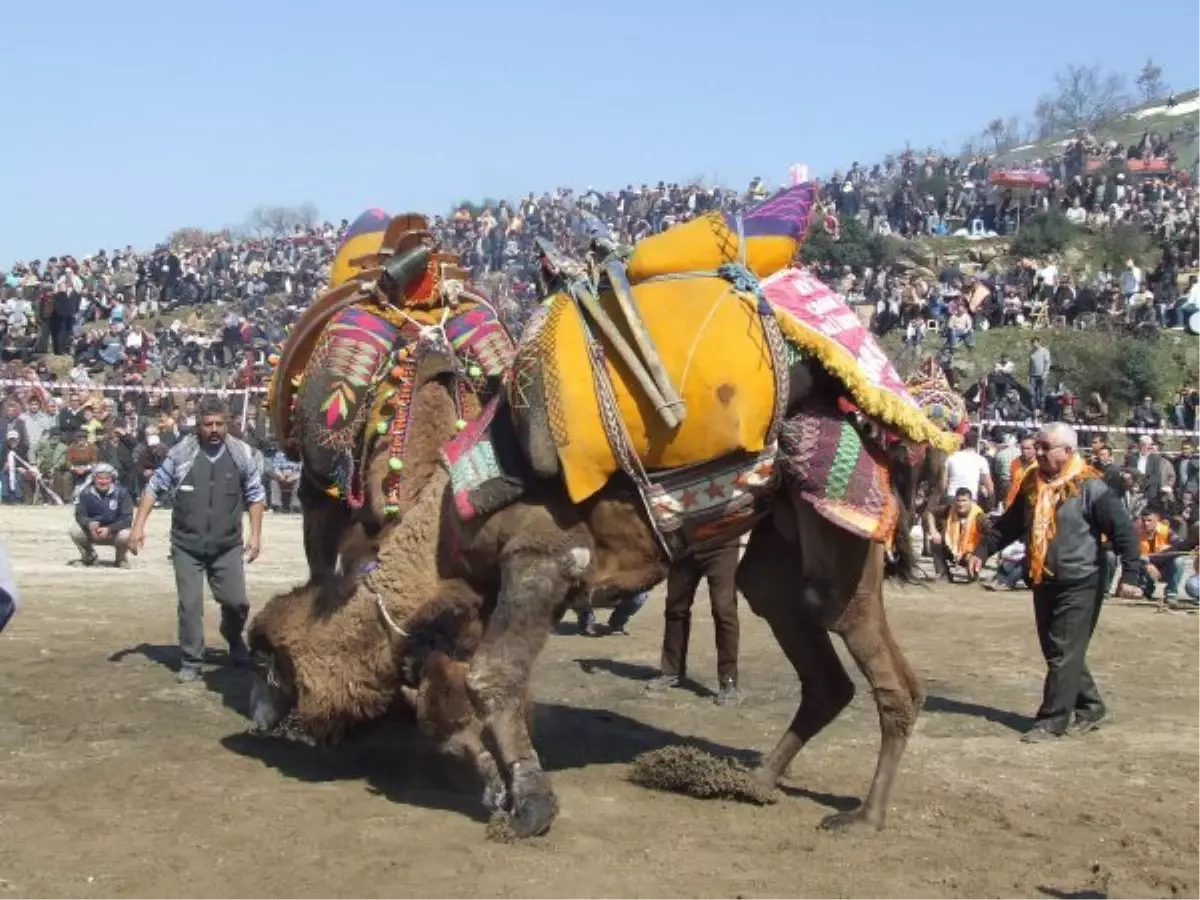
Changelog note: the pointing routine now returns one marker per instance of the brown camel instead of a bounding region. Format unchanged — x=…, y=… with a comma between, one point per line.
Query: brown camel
x=539, y=555
x=533, y=556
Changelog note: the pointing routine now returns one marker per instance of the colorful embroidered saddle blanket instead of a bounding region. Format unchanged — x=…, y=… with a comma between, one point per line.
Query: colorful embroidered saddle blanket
x=485, y=465
x=827, y=464
x=820, y=324
x=357, y=386
x=701, y=507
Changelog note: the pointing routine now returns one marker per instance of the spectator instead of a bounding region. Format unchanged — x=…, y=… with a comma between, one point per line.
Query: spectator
x=103, y=517
x=1039, y=368
x=965, y=526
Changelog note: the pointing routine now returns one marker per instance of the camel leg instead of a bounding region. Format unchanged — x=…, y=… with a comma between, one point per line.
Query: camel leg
x=767, y=577
x=467, y=745
x=534, y=589
x=897, y=690
x=326, y=521
x=446, y=715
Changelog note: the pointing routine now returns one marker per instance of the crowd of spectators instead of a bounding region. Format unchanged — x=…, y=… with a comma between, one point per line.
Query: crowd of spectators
x=1094, y=185
x=132, y=319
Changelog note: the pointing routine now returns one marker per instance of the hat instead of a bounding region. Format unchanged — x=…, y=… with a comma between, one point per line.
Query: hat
x=104, y=469
x=13, y=435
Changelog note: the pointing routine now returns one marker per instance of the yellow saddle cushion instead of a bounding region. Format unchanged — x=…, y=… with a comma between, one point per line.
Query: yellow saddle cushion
x=707, y=242
x=711, y=343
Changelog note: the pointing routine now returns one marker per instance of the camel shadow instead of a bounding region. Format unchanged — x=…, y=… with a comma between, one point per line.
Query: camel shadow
x=1086, y=894
x=638, y=672
x=1007, y=718
x=230, y=683
x=396, y=762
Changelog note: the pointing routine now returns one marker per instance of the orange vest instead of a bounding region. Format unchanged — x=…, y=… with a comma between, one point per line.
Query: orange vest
x=1157, y=542
x=964, y=535
x=1018, y=472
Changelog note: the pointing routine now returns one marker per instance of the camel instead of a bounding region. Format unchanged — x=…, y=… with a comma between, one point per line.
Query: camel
x=537, y=557
x=532, y=555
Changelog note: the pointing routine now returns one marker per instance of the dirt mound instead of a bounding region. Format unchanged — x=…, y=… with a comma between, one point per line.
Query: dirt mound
x=696, y=773
x=500, y=830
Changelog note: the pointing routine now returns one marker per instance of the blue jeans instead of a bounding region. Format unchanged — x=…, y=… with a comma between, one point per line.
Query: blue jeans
x=620, y=616
x=1174, y=570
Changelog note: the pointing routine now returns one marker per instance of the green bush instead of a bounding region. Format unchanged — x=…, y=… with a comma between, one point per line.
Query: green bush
x=856, y=247
x=1121, y=368
x=1116, y=245
x=1043, y=233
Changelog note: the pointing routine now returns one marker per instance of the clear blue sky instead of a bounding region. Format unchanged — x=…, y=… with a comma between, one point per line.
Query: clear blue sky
x=128, y=119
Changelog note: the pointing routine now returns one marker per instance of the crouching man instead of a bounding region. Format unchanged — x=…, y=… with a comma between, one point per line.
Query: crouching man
x=966, y=526
x=214, y=479
x=103, y=517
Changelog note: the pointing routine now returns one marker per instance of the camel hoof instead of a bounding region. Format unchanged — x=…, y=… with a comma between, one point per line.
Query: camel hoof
x=852, y=819
x=495, y=796
x=534, y=815
x=765, y=779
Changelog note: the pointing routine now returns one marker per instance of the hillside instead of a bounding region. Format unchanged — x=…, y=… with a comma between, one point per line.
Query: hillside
x=1127, y=128
x=1122, y=371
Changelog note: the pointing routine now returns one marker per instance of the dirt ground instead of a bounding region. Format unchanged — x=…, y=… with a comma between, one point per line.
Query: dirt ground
x=115, y=781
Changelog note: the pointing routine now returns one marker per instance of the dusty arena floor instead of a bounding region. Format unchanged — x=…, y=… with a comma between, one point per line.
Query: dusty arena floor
x=115, y=781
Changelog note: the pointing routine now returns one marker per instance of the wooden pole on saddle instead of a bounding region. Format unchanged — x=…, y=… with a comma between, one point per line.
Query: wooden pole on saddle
x=673, y=410
x=586, y=298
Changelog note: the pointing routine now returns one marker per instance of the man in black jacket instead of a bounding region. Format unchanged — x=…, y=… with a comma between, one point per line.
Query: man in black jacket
x=103, y=517
x=1061, y=511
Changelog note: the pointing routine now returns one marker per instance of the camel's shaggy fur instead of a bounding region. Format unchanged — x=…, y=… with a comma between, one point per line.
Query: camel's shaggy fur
x=697, y=773
x=342, y=662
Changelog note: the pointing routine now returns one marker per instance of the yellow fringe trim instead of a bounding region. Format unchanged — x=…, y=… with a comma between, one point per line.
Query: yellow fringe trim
x=877, y=403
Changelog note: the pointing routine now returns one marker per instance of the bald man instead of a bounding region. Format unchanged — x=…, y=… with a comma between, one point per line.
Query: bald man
x=1060, y=511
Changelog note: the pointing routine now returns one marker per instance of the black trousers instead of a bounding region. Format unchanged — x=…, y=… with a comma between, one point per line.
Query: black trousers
x=1066, y=617
x=719, y=566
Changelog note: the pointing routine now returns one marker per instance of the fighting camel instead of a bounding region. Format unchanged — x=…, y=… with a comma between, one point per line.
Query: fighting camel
x=532, y=513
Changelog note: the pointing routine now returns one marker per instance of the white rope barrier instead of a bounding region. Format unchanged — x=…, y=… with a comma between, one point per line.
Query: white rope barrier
x=1106, y=429
x=89, y=387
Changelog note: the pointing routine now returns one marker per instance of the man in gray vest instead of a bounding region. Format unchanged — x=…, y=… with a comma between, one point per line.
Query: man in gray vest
x=213, y=478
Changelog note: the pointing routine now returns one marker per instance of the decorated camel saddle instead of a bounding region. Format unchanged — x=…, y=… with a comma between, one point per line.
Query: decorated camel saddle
x=400, y=309
x=671, y=364
x=943, y=405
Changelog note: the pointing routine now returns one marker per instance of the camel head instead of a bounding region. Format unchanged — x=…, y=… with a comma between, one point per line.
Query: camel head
x=323, y=662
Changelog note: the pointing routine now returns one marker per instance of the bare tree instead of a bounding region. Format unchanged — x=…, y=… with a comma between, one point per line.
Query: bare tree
x=276, y=221
x=1045, y=119
x=1150, y=82
x=995, y=133
x=1012, y=132
x=190, y=238
x=1086, y=95
x=308, y=215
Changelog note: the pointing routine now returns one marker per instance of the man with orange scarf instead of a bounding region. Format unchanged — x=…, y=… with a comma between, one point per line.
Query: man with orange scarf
x=1061, y=511
x=1020, y=467
x=966, y=523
